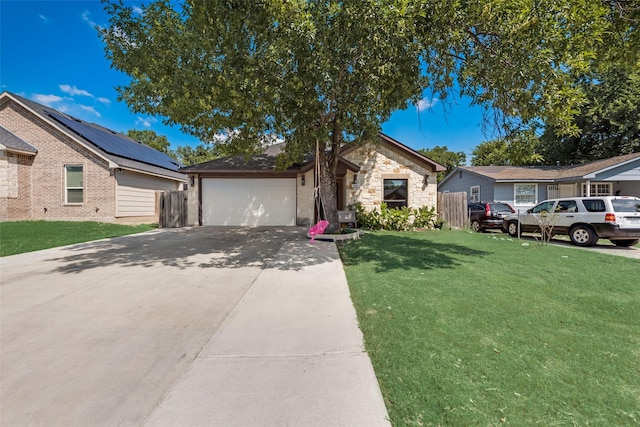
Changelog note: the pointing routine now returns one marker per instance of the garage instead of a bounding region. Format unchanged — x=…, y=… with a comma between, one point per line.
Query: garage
x=249, y=202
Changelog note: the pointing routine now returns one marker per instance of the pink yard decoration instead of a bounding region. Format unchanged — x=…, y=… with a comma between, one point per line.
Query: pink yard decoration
x=318, y=229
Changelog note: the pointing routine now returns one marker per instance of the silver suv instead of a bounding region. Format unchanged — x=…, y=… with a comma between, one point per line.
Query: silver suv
x=583, y=219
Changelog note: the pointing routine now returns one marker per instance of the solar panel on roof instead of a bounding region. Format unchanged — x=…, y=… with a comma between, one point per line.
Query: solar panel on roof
x=118, y=145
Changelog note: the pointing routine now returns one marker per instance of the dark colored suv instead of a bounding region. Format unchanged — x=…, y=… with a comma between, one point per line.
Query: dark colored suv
x=483, y=216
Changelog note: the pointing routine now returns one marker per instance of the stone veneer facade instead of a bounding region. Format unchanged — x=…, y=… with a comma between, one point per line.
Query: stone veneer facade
x=379, y=162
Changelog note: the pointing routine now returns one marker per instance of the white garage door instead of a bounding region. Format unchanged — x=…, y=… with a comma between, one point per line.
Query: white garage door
x=249, y=202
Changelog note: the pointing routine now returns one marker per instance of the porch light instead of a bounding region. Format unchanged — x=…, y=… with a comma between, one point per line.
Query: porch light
x=426, y=178
x=355, y=178
x=302, y=180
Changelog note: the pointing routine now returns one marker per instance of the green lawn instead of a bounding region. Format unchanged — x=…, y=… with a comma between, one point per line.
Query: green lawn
x=475, y=329
x=27, y=236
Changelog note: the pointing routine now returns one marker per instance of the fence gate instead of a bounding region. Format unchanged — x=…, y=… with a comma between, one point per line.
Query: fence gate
x=172, y=209
x=452, y=207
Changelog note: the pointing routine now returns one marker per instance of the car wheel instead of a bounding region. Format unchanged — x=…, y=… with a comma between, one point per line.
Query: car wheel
x=475, y=226
x=582, y=235
x=625, y=243
x=512, y=229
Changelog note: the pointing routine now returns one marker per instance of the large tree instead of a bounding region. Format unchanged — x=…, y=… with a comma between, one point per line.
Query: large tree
x=152, y=139
x=447, y=158
x=331, y=72
x=609, y=121
x=193, y=155
x=311, y=72
x=518, y=148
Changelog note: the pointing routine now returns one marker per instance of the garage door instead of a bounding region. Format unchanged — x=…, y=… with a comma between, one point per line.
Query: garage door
x=249, y=202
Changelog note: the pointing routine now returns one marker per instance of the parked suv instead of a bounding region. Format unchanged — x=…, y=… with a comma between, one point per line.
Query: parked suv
x=583, y=219
x=483, y=215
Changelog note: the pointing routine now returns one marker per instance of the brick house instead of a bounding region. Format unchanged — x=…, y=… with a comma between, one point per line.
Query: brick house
x=56, y=167
x=249, y=192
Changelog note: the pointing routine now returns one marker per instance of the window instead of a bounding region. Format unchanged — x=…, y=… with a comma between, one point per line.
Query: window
x=594, y=205
x=73, y=185
x=475, y=193
x=543, y=208
x=597, y=190
x=525, y=194
x=567, y=206
x=395, y=192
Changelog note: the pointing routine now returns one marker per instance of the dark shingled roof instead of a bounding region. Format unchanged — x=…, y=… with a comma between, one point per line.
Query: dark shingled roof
x=13, y=143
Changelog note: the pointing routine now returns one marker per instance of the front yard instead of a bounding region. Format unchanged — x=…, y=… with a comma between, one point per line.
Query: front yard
x=476, y=329
x=26, y=236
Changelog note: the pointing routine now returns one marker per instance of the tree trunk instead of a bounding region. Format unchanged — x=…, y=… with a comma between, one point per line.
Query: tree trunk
x=328, y=193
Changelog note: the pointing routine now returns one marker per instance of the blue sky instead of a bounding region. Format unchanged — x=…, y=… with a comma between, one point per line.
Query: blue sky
x=50, y=52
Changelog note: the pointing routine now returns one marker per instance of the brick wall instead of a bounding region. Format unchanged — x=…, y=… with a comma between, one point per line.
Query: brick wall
x=41, y=184
x=378, y=163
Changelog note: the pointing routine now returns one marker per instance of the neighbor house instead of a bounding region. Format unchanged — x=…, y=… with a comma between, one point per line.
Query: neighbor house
x=250, y=192
x=56, y=167
x=525, y=186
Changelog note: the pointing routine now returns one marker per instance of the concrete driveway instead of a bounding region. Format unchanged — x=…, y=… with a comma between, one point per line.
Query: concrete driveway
x=121, y=332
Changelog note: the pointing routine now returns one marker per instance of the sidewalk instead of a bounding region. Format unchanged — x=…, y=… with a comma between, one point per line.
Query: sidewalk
x=289, y=354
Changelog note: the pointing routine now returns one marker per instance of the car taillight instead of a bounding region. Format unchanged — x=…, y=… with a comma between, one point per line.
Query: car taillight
x=487, y=212
x=609, y=217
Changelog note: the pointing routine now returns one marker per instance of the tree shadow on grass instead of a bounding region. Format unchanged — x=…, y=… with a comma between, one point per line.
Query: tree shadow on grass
x=200, y=247
x=389, y=252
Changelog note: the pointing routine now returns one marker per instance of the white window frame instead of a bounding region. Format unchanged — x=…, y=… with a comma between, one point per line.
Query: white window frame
x=474, y=193
x=67, y=187
x=516, y=202
x=596, y=188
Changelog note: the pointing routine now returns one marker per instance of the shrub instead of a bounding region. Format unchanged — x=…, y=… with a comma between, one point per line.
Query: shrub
x=395, y=219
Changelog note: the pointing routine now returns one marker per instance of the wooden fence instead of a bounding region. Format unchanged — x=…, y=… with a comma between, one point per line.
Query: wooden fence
x=452, y=207
x=171, y=209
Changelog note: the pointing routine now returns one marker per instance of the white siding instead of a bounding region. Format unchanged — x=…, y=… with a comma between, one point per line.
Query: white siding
x=136, y=193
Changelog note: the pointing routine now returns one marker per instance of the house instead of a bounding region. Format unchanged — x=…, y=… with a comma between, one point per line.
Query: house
x=525, y=186
x=250, y=192
x=56, y=167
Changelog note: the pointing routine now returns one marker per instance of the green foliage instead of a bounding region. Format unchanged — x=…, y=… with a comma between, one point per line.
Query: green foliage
x=469, y=329
x=424, y=217
x=152, y=139
x=609, y=121
x=449, y=159
x=518, y=148
x=194, y=155
x=395, y=219
x=521, y=58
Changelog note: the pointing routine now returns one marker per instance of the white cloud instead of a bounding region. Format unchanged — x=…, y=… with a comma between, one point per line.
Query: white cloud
x=44, y=18
x=137, y=10
x=89, y=109
x=145, y=121
x=72, y=90
x=47, y=100
x=106, y=101
x=426, y=103
x=86, y=17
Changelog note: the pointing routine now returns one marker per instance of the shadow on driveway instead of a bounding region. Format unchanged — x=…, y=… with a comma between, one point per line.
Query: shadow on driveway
x=201, y=247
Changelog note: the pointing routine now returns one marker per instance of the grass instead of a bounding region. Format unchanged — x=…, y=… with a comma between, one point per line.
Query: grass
x=474, y=329
x=27, y=236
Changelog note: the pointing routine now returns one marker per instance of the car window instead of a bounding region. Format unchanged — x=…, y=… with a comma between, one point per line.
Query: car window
x=500, y=207
x=476, y=207
x=567, y=206
x=543, y=207
x=594, y=205
x=626, y=205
